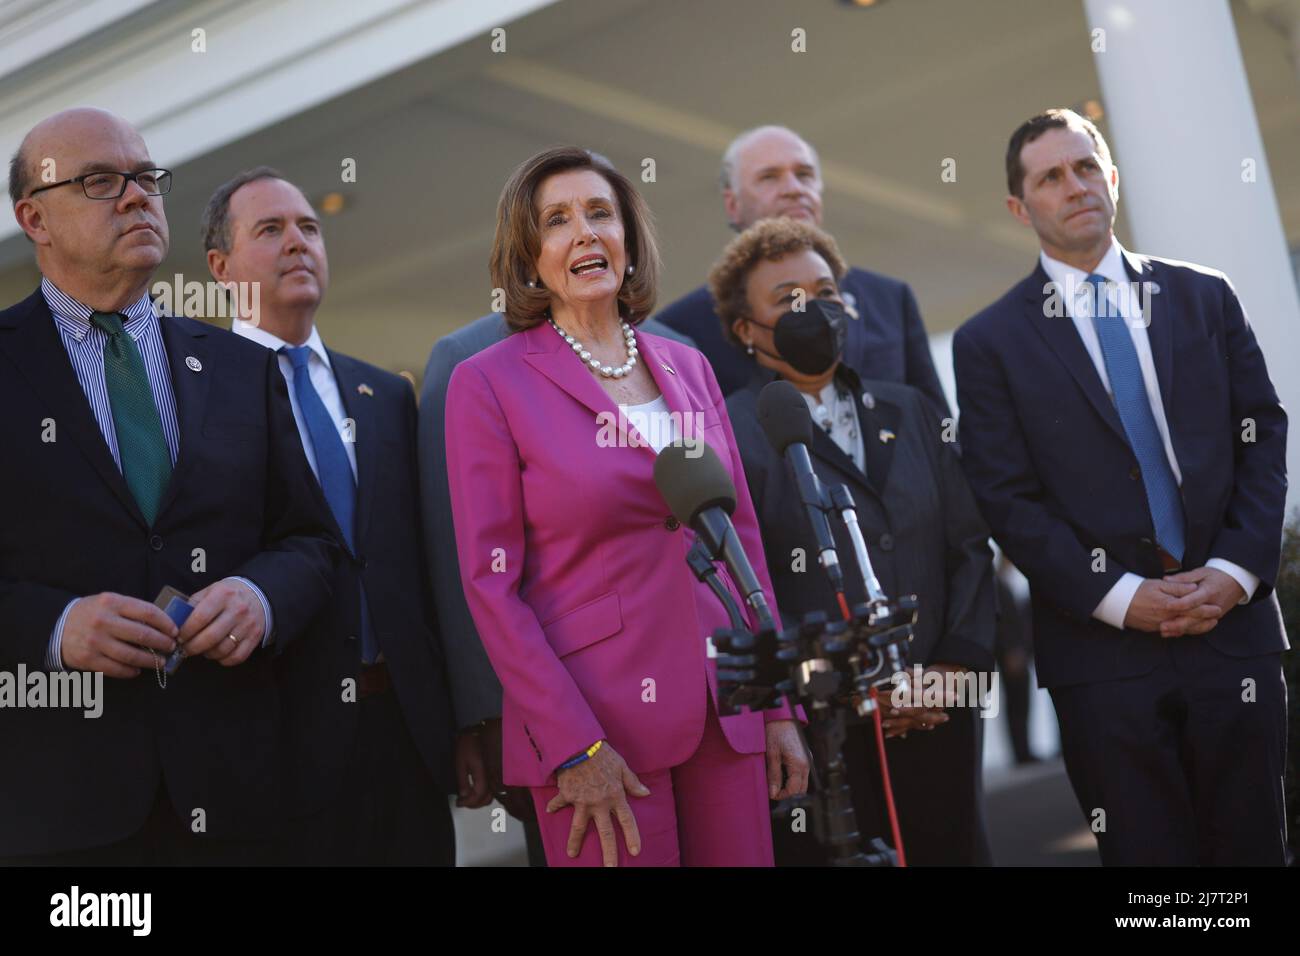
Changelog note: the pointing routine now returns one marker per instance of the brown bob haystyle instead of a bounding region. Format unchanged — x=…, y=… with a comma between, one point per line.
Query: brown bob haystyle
x=767, y=239
x=516, y=245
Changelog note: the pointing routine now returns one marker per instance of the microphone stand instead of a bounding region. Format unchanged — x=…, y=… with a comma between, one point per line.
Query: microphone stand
x=885, y=627
x=880, y=610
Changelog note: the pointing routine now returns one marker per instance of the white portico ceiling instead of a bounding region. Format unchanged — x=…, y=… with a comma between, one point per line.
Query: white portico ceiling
x=887, y=94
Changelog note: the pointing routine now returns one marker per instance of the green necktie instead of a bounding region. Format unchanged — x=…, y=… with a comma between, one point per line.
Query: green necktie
x=146, y=461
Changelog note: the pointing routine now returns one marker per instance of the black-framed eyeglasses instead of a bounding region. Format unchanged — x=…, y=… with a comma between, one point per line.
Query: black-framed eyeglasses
x=111, y=185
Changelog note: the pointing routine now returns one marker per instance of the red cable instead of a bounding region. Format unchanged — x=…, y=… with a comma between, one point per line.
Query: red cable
x=844, y=606
x=884, y=761
x=884, y=773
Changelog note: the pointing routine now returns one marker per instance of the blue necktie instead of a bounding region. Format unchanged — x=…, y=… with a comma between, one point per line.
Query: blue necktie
x=1135, y=414
x=332, y=468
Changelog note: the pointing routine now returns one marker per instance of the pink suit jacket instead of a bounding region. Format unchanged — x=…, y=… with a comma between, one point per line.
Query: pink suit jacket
x=573, y=568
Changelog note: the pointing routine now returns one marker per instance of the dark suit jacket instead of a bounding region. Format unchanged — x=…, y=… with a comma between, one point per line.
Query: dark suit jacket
x=476, y=692
x=886, y=342
x=389, y=561
x=1049, y=463
x=923, y=531
x=240, y=501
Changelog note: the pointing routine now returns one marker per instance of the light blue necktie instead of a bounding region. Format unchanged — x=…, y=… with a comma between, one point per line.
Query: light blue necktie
x=1135, y=414
x=332, y=469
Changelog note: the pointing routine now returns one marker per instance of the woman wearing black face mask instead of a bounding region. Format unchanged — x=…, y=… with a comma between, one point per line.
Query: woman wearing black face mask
x=775, y=289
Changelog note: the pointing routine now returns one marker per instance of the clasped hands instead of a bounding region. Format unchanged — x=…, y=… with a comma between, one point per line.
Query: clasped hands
x=1191, y=602
x=119, y=635
x=897, y=721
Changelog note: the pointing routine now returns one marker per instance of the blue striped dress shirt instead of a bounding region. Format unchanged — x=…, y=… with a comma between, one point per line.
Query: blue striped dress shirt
x=84, y=344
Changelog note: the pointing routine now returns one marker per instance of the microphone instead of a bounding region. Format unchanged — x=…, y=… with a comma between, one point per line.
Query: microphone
x=842, y=501
x=788, y=425
x=701, y=495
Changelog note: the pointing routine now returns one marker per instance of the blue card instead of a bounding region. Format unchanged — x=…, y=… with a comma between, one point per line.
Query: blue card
x=178, y=609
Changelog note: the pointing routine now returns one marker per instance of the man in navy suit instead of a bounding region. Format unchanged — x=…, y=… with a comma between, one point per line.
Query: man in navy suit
x=142, y=451
x=1124, y=441
x=367, y=709
x=770, y=171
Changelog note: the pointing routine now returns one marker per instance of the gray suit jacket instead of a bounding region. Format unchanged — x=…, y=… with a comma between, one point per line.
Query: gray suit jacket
x=475, y=690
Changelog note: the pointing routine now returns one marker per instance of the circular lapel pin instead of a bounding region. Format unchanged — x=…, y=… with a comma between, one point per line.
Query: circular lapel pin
x=868, y=400
x=193, y=364
x=850, y=303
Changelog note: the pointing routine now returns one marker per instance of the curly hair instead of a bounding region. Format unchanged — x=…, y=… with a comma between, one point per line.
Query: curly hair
x=766, y=240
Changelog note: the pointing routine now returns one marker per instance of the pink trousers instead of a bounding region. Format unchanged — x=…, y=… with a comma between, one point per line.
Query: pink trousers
x=711, y=810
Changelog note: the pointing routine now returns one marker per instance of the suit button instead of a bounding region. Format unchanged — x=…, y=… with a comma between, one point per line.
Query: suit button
x=1135, y=472
x=886, y=542
x=671, y=523
x=155, y=542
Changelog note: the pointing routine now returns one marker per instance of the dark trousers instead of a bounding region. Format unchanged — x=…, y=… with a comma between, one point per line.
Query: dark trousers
x=389, y=811
x=1016, y=691
x=936, y=778
x=1183, y=765
x=164, y=840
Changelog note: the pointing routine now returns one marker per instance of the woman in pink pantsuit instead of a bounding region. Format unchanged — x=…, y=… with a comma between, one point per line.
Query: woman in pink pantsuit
x=573, y=568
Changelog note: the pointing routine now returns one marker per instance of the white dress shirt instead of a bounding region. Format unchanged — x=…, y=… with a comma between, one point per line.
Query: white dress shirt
x=322, y=379
x=1073, y=285
x=654, y=421
x=838, y=408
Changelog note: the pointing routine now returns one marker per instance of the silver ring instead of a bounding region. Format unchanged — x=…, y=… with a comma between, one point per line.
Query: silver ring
x=233, y=638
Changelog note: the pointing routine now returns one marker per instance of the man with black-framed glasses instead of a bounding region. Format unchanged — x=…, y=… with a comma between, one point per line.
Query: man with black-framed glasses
x=107, y=184
x=145, y=453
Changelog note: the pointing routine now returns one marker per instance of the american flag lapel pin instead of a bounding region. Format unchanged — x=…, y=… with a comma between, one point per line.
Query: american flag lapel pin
x=364, y=389
x=886, y=435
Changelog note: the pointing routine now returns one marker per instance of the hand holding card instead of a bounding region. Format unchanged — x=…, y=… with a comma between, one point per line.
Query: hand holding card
x=177, y=607
x=227, y=624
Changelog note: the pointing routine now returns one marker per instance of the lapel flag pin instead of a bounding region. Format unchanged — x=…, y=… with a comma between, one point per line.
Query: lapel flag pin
x=193, y=364
x=886, y=435
x=364, y=389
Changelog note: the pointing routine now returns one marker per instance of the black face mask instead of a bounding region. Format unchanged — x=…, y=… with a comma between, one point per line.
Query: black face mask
x=811, y=341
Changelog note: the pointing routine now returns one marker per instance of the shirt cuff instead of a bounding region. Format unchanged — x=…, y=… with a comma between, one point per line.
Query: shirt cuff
x=1114, y=606
x=266, y=607
x=1249, y=582
x=54, y=655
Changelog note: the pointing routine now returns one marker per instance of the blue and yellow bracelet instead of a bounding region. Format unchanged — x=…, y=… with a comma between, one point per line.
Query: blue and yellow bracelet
x=584, y=755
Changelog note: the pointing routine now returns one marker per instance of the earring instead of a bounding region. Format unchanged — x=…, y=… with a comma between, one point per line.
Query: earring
x=630, y=268
x=531, y=283
x=749, y=347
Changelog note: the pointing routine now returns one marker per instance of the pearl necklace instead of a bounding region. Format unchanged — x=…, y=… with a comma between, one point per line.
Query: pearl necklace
x=609, y=371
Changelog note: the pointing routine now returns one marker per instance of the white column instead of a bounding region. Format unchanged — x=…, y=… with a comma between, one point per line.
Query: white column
x=1183, y=129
